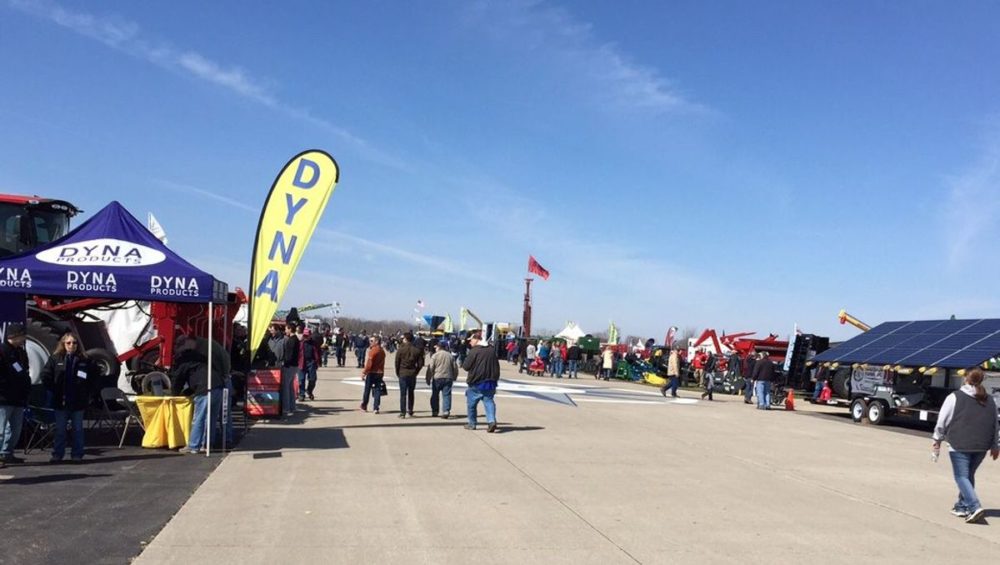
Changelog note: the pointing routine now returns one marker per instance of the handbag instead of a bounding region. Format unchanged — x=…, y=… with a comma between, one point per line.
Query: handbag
x=383, y=390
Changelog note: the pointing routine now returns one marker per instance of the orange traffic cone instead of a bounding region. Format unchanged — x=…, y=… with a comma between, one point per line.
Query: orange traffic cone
x=790, y=400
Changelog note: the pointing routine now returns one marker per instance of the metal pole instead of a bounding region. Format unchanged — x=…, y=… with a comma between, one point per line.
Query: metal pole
x=225, y=396
x=208, y=424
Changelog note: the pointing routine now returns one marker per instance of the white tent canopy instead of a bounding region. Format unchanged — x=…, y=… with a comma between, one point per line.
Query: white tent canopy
x=571, y=332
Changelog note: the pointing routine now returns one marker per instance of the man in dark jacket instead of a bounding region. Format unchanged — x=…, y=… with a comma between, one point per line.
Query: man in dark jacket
x=361, y=348
x=762, y=373
x=189, y=375
x=573, y=356
x=309, y=360
x=748, y=384
x=483, y=367
x=289, y=369
x=340, y=344
x=409, y=361
x=15, y=386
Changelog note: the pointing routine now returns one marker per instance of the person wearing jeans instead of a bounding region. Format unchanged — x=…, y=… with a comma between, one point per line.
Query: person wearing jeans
x=441, y=373
x=763, y=371
x=190, y=373
x=309, y=359
x=199, y=421
x=409, y=361
x=483, y=376
x=66, y=377
x=968, y=421
x=15, y=387
x=373, y=373
x=573, y=356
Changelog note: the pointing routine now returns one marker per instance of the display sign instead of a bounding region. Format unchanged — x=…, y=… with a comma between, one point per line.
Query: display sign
x=264, y=393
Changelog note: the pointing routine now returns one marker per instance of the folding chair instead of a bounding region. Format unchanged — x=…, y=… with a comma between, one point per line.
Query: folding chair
x=133, y=416
x=114, y=412
x=39, y=428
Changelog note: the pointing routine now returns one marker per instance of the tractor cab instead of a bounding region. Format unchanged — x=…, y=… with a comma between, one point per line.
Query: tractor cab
x=27, y=222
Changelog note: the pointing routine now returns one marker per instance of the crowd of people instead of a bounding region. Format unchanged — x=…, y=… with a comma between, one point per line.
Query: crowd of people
x=479, y=360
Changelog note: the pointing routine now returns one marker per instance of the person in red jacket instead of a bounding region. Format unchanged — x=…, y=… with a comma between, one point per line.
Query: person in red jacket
x=309, y=360
x=373, y=373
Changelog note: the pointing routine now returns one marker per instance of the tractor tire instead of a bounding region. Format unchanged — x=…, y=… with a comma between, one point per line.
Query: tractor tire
x=108, y=367
x=859, y=408
x=841, y=382
x=878, y=411
x=42, y=341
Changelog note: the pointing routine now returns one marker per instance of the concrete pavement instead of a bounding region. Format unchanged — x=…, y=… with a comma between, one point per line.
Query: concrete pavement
x=608, y=473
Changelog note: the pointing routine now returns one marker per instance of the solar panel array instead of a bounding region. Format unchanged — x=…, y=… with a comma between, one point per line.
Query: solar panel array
x=950, y=344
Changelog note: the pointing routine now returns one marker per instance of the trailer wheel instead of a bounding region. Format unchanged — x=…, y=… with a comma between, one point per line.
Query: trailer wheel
x=858, y=409
x=877, y=412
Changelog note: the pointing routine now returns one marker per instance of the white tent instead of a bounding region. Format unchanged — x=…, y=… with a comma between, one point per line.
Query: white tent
x=571, y=333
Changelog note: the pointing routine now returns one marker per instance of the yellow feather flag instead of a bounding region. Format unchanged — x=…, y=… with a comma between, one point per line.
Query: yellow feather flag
x=287, y=221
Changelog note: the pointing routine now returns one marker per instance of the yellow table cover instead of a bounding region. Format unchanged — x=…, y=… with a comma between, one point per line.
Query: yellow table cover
x=167, y=420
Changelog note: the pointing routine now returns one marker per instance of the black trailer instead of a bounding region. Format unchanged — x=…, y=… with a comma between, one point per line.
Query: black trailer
x=909, y=368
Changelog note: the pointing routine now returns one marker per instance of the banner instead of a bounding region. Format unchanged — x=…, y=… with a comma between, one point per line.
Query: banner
x=463, y=318
x=449, y=327
x=290, y=214
x=613, y=334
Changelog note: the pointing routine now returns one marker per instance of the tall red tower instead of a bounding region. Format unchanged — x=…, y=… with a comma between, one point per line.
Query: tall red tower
x=526, y=321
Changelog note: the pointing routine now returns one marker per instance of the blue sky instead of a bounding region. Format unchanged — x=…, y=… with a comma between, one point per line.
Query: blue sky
x=743, y=166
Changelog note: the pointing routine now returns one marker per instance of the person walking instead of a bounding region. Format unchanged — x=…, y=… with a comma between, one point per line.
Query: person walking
x=373, y=373
x=441, y=374
x=607, y=362
x=559, y=352
x=66, y=377
x=748, y=384
x=309, y=360
x=529, y=358
x=483, y=369
x=763, y=371
x=409, y=361
x=544, y=352
x=673, y=374
x=15, y=387
x=360, y=347
x=709, y=385
x=189, y=374
x=289, y=369
x=968, y=422
x=573, y=356
x=340, y=346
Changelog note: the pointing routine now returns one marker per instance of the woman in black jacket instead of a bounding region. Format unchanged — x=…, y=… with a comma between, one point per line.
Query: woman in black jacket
x=67, y=376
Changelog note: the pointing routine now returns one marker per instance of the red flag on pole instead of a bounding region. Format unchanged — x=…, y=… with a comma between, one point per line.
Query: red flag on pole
x=534, y=267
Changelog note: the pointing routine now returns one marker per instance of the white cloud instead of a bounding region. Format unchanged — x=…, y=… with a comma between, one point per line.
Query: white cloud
x=125, y=36
x=234, y=79
x=551, y=34
x=972, y=212
x=339, y=241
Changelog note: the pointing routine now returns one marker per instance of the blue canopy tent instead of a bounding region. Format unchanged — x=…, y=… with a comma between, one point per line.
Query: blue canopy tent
x=112, y=256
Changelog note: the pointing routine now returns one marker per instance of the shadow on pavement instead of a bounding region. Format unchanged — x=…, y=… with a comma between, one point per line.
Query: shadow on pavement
x=42, y=479
x=278, y=438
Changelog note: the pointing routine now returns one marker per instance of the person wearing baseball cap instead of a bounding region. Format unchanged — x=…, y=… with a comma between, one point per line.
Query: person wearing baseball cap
x=15, y=386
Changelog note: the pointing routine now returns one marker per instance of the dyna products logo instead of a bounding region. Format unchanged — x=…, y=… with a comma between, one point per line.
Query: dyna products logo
x=102, y=252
